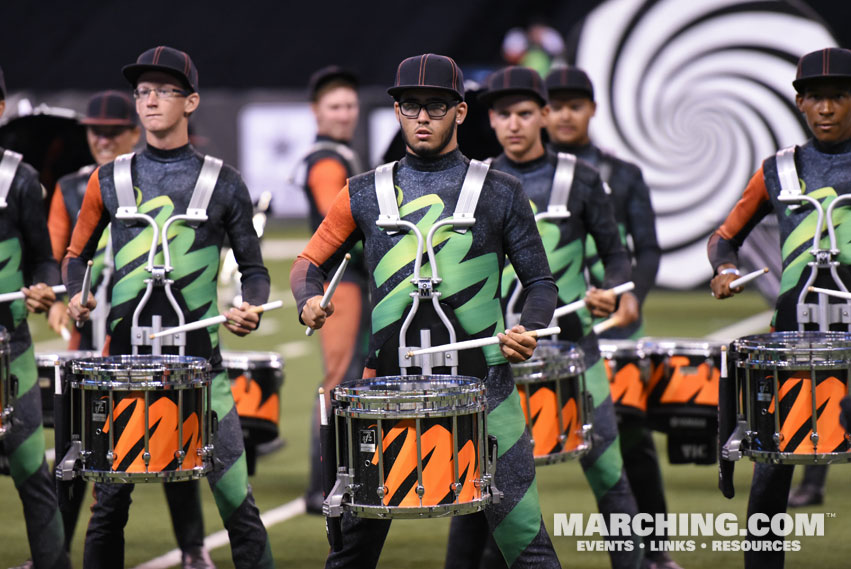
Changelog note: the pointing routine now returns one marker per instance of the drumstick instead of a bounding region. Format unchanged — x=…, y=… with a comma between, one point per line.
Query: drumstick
x=332, y=286
x=747, y=278
x=10, y=296
x=66, y=335
x=213, y=320
x=576, y=305
x=323, y=418
x=479, y=343
x=87, y=285
x=612, y=322
x=829, y=292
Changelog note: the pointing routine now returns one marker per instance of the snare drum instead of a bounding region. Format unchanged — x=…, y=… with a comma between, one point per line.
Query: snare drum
x=790, y=385
x=7, y=390
x=411, y=447
x=628, y=370
x=553, y=395
x=46, y=364
x=256, y=381
x=141, y=418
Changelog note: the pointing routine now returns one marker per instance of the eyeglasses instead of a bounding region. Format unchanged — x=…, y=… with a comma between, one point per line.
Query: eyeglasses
x=435, y=109
x=162, y=92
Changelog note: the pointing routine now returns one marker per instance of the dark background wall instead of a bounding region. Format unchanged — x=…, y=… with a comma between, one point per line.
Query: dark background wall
x=82, y=45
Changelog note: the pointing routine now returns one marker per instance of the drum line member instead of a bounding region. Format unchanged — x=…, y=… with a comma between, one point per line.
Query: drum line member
x=428, y=92
x=823, y=168
x=572, y=106
x=518, y=110
x=112, y=130
x=25, y=254
x=327, y=166
x=163, y=176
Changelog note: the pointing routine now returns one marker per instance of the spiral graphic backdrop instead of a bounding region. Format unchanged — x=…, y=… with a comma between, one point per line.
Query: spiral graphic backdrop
x=698, y=93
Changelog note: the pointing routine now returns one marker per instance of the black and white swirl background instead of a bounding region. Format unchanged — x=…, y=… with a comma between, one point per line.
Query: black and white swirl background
x=697, y=92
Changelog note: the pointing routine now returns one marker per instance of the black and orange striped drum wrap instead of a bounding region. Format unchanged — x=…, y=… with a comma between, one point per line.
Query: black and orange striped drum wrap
x=256, y=382
x=788, y=386
x=555, y=402
x=141, y=418
x=413, y=446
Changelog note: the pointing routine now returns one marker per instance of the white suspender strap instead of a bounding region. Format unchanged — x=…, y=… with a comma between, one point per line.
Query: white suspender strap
x=385, y=192
x=8, y=167
x=197, y=209
x=562, y=182
x=787, y=172
x=123, y=181
x=471, y=189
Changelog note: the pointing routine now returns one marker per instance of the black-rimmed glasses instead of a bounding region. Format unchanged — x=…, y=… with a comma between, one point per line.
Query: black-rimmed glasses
x=434, y=109
x=162, y=92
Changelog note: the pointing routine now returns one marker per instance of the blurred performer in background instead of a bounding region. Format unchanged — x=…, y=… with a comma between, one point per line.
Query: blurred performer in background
x=518, y=111
x=327, y=168
x=429, y=106
x=572, y=107
x=822, y=168
x=25, y=256
x=163, y=176
x=111, y=130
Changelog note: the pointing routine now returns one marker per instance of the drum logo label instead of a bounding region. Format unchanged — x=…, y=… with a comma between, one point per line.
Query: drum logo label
x=367, y=440
x=99, y=410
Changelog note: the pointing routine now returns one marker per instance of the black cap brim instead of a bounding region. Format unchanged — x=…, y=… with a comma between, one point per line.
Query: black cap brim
x=801, y=84
x=133, y=71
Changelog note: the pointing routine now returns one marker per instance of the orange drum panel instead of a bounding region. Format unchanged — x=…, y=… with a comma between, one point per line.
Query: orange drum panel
x=256, y=382
x=628, y=370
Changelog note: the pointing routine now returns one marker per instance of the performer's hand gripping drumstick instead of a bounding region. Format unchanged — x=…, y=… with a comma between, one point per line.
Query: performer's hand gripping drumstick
x=512, y=340
x=87, y=287
x=243, y=326
x=830, y=292
x=726, y=283
x=23, y=293
x=314, y=314
x=594, y=293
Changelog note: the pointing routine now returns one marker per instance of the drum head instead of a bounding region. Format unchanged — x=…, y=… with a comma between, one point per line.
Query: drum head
x=412, y=395
x=138, y=372
x=794, y=349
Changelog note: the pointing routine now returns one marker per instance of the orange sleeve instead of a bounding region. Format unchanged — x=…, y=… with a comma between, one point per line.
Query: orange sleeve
x=58, y=224
x=90, y=215
x=326, y=178
x=337, y=226
x=754, y=196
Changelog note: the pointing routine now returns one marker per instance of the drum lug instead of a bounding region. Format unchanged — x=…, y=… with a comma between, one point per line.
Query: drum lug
x=110, y=458
x=65, y=469
x=332, y=507
x=732, y=449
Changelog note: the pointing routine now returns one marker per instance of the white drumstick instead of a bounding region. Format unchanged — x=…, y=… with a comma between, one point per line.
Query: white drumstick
x=11, y=296
x=213, y=320
x=323, y=417
x=57, y=378
x=576, y=305
x=479, y=343
x=87, y=286
x=747, y=278
x=612, y=322
x=66, y=335
x=829, y=292
x=332, y=286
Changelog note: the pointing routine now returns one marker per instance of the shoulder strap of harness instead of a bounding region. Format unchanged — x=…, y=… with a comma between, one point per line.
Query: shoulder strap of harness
x=344, y=151
x=122, y=178
x=204, y=186
x=787, y=172
x=8, y=167
x=385, y=192
x=562, y=182
x=471, y=189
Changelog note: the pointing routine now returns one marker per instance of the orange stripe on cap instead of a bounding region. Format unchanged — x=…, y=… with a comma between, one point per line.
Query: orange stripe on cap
x=157, y=53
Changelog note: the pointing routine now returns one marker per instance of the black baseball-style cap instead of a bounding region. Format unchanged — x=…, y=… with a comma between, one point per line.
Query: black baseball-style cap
x=110, y=108
x=324, y=76
x=165, y=59
x=2, y=86
x=827, y=63
x=514, y=80
x=569, y=79
x=431, y=71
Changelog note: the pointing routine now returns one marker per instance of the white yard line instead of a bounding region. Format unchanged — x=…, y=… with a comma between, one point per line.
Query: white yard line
x=282, y=249
x=220, y=538
x=753, y=325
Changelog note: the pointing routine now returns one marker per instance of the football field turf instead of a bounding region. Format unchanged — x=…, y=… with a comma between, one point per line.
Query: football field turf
x=299, y=541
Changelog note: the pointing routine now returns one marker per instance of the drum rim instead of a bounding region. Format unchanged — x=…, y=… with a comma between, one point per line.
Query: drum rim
x=57, y=356
x=467, y=398
x=274, y=361
x=194, y=372
x=656, y=346
x=756, y=342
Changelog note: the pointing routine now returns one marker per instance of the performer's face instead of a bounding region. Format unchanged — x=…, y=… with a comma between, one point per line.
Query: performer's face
x=162, y=114
x=827, y=108
x=429, y=134
x=569, y=116
x=517, y=121
x=107, y=142
x=336, y=113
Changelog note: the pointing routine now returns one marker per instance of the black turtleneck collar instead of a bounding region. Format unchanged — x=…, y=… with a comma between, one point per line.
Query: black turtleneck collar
x=835, y=148
x=170, y=155
x=584, y=151
x=433, y=163
x=528, y=165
